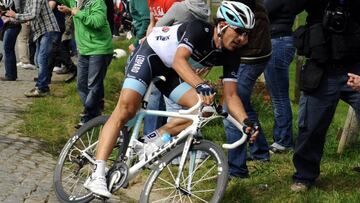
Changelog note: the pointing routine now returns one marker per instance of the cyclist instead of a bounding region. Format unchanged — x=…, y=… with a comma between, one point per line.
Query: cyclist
x=172, y=52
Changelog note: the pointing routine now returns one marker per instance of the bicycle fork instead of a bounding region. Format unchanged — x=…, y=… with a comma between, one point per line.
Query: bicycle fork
x=187, y=145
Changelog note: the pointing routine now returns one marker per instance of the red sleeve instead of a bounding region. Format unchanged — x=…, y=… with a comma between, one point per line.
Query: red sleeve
x=168, y=4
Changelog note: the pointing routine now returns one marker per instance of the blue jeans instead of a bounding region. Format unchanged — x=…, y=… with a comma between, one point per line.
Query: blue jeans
x=91, y=71
x=277, y=82
x=156, y=102
x=259, y=150
x=42, y=54
x=316, y=110
x=9, y=39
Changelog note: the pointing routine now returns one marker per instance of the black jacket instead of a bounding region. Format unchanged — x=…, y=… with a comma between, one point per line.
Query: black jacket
x=281, y=17
x=258, y=49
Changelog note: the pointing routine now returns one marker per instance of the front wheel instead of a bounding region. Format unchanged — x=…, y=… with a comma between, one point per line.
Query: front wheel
x=203, y=179
x=76, y=162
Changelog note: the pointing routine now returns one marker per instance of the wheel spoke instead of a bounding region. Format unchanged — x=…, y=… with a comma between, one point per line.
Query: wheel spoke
x=203, y=177
x=196, y=168
x=165, y=181
x=171, y=173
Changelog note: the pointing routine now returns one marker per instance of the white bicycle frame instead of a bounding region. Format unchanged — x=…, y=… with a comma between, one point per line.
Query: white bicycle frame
x=193, y=114
x=198, y=121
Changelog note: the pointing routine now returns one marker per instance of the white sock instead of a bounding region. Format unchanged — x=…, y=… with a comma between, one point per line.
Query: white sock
x=151, y=136
x=99, y=168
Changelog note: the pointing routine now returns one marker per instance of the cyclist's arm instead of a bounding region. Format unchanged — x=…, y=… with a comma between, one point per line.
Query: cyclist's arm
x=235, y=106
x=184, y=69
x=233, y=101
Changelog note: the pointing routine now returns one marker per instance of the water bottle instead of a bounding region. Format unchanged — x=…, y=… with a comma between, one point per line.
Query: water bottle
x=165, y=138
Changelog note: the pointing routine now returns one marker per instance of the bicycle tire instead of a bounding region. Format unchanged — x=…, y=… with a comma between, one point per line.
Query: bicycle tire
x=155, y=186
x=69, y=188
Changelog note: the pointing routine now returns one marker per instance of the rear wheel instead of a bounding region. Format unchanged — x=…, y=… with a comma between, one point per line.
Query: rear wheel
x=203, y=179
x=76, y=160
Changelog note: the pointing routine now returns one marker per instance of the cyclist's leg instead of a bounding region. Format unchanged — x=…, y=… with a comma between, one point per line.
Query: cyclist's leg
x=125, y=109
x=181, y=93
x=138, y=77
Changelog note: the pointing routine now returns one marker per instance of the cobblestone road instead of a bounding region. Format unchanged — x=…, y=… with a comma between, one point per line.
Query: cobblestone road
x=25, y=170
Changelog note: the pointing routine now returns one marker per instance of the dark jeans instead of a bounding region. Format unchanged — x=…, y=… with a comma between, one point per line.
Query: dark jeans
x=259, y=150
x=60, y=55
x=277, y=82
x=9, y=40
x=44, y=46
x=90, y=82
x=316, y=111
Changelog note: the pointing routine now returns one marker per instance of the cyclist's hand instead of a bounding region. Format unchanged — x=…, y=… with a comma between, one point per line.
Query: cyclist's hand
x=207, y=92
x=251, y=129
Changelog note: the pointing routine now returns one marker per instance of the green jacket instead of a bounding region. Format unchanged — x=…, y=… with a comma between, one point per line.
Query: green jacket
x=140, y=13
x=92, y=31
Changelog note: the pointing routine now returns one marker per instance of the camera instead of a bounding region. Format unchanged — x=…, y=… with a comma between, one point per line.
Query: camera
x=336, y=16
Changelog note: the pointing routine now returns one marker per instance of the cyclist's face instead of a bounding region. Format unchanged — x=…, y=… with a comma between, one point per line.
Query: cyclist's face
x=234, y=38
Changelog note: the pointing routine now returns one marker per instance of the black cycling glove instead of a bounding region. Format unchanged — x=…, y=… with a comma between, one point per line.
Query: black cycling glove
x=204, y=89
x=248, y=123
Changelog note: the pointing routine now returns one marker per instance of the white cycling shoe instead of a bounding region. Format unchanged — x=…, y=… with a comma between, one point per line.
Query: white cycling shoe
x=98, y=186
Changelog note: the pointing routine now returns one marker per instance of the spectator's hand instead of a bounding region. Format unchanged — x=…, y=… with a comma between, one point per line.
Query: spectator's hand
x=74, y=11
x=251, y=129
x=10, y=13
x=354, y=81
x=206, y=92
x=131, y=48
x=64, y=9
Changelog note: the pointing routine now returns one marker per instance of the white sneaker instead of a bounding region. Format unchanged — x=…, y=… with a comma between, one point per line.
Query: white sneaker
x=98, y=186
x=20, y=64
x=57, y=68
x=28, y=66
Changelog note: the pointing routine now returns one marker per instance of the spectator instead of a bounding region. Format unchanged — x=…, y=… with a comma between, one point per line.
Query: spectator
x=9, y=32
x=157, y=10
x=332, y=49
x=185, y=11
x=140, y=13
x=60, y=54
x=22, y=42
x=253, y=62
x=110, y=14
x=94, y=41
x=277, y=71
x=46, y=30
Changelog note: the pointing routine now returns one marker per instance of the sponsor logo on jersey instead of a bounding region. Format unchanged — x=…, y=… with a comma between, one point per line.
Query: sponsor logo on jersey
x=165, y=29
x=162, y=38
x=139, y=60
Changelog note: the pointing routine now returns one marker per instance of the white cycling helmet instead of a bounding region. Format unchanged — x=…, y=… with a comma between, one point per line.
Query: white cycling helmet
x=236, y=14
x=6, y=3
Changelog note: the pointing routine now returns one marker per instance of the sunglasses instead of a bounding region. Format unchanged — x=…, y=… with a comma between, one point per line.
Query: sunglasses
x=241, y=32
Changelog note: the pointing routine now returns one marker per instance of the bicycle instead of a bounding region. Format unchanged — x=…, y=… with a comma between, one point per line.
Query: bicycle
x=192, y=180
